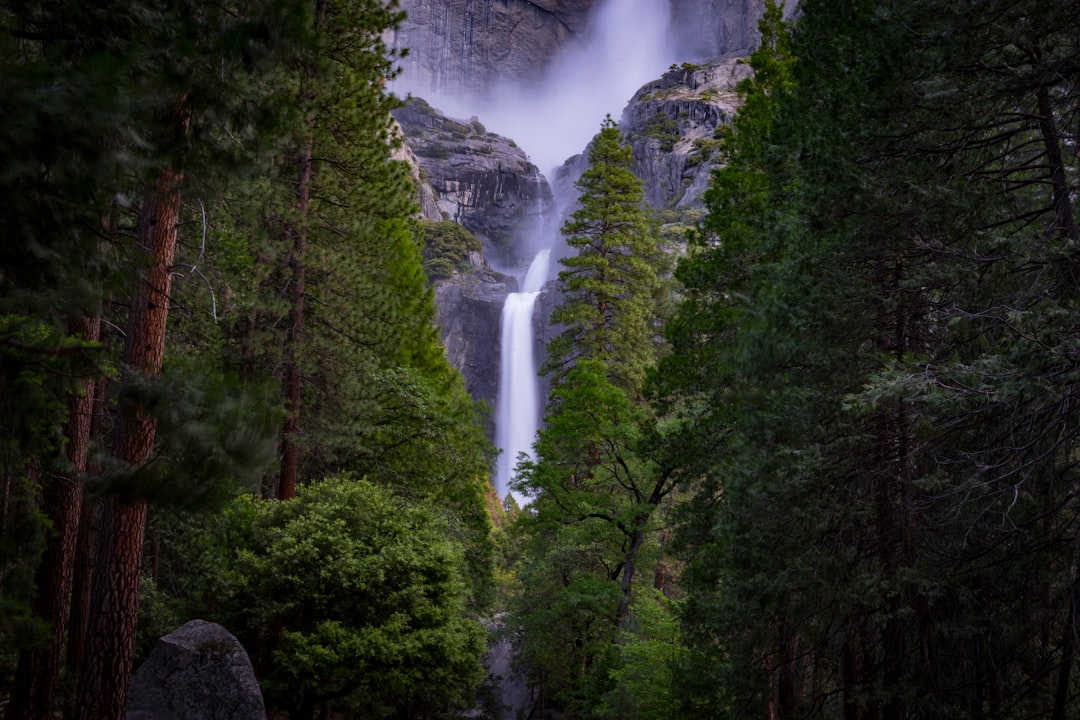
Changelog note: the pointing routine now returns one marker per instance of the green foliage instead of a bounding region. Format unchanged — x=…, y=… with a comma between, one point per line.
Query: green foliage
x=648, y=658
x=664, y=129
x=217, y=439
x=855, y=367
x=608, y=312
x=447, y=246
x=368, y=596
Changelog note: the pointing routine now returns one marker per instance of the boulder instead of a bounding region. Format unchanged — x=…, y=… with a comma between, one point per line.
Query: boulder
x=198, y=672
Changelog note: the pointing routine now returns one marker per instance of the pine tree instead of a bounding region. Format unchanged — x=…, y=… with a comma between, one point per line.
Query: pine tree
x=607, y=313
x=599, y=477
x=856, y=337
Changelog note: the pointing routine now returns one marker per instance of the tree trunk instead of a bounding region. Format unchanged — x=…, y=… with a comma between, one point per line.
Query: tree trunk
x=38, y=670
x=1065, y=223
x=89, y=524
x=110, y=647
x=637, y=538
x=290, y=451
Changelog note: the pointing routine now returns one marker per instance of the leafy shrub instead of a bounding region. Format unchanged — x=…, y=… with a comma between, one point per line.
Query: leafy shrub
x=665, y=129
x=446, y=248
x=348, y=593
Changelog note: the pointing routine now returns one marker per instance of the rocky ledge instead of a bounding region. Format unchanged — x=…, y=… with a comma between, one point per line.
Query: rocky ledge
x=673, y=125
x=479, y=179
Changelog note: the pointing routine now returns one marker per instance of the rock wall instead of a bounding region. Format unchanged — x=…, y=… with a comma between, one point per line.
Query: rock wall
x=469, y=314
x=484, y=182
x=479, y=179
x=463, y=46
x=672, y=123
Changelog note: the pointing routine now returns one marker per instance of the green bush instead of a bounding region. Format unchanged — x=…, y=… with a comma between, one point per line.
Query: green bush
x=446, y=248
x=348, y=593
x=665, y=129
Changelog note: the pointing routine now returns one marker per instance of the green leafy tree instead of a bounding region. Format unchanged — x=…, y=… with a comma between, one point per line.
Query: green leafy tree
x=447, y=247
x=348, y=594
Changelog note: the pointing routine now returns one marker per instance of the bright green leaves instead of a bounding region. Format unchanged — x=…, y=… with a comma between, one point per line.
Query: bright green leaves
x=372, y=596
x=447, y=247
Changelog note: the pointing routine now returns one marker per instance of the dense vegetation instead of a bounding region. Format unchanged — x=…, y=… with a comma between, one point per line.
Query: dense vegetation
x=211, y=284
x=867, y=416
x=823, y=468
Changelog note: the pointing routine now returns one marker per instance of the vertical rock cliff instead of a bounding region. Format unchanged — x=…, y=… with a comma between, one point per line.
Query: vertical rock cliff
x=485, y=183
x=462, y=47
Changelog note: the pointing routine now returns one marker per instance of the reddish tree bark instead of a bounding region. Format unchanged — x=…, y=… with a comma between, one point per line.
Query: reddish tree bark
x=85, y=545
x=38, y=670
x=110, y=645
x=290, y=451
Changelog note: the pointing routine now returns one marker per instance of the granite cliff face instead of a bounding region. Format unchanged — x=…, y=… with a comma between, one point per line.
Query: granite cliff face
x=478, y=179
x=464, y=46
x=705, y=29
x=485, y=183
x=672, y=126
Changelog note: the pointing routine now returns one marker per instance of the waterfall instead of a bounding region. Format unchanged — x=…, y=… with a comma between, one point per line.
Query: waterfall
x=517, y=416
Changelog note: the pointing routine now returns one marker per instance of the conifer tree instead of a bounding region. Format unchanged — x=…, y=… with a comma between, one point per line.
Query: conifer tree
x=599, y=478
x=608, y=313
x=871, y=407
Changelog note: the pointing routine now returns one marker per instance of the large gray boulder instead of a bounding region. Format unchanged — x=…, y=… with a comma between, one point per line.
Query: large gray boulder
x=198, y=672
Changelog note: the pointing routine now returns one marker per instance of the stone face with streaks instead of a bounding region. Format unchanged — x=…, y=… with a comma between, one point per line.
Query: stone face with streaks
x=198, y=672
x=672, y=123
x=462, y=48
x=478, y=179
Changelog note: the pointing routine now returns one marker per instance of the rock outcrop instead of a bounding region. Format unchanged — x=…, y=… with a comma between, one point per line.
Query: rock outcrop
x=672, y=125
x=461, y=48
x=469, y=314
x=486, y=183
x=198, y=672
x=481, y=180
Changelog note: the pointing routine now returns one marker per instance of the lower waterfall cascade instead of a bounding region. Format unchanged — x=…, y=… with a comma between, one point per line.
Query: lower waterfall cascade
x=519, y=404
